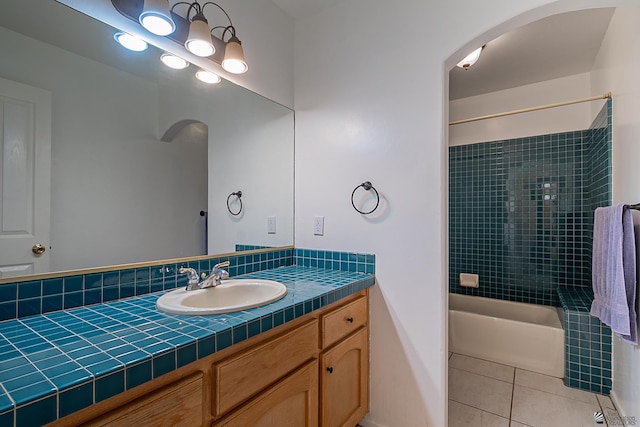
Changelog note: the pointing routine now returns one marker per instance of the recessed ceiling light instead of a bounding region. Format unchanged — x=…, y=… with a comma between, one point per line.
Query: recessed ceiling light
x=173, y=61
x=208, y=77
x=130, y=42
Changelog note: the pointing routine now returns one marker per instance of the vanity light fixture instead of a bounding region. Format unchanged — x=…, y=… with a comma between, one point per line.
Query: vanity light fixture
x=470, y=59
x=208, y=77
x=156, y=17
x=199, y=39
x=130, y=42
x=233, y=60
x=173, y=61
x=191, y=29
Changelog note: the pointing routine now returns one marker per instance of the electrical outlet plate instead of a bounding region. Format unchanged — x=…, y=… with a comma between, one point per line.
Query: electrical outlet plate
x=318, y=226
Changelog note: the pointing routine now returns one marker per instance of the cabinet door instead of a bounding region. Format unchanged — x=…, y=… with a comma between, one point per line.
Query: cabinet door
x=344, y=377
x=292, y=402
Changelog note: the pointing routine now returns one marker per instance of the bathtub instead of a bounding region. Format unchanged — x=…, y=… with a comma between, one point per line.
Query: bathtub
x=526, y=336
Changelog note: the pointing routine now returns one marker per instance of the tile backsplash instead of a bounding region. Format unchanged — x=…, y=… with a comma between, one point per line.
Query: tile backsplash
x=28, y=297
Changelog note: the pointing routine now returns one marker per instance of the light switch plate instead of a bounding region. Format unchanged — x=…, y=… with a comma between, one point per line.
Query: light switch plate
x=271, y=225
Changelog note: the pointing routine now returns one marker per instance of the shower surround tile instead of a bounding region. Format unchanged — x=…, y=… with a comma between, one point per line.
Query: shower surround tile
x=521, y=211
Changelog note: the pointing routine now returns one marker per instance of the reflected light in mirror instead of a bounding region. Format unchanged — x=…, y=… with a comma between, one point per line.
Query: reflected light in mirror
x=173, y=61
x=208, y=77
x=130, y=42
x=156, y=17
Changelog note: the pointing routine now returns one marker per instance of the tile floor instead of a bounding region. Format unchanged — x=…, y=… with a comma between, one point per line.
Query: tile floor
x=487, y=394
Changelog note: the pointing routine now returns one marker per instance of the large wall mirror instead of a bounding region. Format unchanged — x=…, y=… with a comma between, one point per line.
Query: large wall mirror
x=109, y=157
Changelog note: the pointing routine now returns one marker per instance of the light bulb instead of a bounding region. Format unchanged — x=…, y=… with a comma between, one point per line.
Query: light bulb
x=200, y=47
x=470, y=59
x=233, y=61
x=156, y=17
x=199, y=38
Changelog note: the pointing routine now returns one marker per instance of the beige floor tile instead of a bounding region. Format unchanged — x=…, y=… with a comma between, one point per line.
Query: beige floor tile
x=450, y=355
x=605, y=401
x=482, y=367
x=540, y=409
x=462, y=415
x=552, y=385
x=517, y=424
x=612, y=417
x=487, y=394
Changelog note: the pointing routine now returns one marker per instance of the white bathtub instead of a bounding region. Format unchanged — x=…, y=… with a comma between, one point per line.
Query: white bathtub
x=526, y=336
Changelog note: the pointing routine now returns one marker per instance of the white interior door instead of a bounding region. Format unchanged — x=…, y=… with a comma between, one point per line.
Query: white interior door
x=25, y=175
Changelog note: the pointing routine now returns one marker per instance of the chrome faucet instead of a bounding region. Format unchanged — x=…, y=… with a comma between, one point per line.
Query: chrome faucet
x=210, y=281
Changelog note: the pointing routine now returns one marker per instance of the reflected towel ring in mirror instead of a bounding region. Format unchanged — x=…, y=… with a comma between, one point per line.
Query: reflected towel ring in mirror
x=367, y=186
x=238, y=194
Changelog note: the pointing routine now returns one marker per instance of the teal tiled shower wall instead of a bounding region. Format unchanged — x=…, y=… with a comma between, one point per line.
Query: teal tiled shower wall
x=587, y=343
x=521, y=212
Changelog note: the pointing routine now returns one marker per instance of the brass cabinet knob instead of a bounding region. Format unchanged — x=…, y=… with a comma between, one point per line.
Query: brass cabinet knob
x=38, y=249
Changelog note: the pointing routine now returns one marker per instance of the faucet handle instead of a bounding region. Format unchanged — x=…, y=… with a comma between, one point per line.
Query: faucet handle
x=192, y=275
x=222, y=264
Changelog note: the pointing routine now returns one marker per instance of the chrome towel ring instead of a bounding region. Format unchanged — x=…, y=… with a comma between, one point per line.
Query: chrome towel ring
x=367, y=186
x=238, y=194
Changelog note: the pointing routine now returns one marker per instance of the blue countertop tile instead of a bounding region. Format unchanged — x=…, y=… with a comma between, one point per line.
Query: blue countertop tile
x=117, y=345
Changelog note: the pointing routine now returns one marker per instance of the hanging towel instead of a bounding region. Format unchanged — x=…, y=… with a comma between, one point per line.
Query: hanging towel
x=614, y=271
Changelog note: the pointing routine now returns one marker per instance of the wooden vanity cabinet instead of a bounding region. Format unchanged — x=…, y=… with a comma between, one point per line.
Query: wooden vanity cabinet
x=344, y=365
x=312, y=371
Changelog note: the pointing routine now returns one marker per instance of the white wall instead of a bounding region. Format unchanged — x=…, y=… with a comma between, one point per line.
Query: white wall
x=555, y=120
x=615, y=70
x=371, y=104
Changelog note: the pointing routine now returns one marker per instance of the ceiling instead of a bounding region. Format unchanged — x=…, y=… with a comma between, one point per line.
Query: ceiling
x=558, y=46
x=298, y=9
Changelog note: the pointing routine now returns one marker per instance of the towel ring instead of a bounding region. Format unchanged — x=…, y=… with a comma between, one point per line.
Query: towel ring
x=367, y=186
x=238, y=194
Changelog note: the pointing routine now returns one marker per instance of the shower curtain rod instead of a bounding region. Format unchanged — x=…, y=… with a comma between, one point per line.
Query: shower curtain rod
x=526, y=110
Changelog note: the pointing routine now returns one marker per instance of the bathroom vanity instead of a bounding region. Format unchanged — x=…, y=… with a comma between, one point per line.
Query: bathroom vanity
x=312, y=371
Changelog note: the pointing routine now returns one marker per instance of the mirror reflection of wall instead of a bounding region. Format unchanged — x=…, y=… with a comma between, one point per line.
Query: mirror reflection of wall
x=118, y=193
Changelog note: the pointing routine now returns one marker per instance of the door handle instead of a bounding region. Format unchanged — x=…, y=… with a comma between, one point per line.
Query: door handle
x=38, y=249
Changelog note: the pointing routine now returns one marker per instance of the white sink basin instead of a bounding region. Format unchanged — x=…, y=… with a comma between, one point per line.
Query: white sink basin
x=232, y=295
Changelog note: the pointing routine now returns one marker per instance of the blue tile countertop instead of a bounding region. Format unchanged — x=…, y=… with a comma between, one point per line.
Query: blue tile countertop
x=58, y=363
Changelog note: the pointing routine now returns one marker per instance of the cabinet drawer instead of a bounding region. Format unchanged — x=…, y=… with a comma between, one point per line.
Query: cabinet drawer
x=179, y=404
x=242, y=376
x=341, y=322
